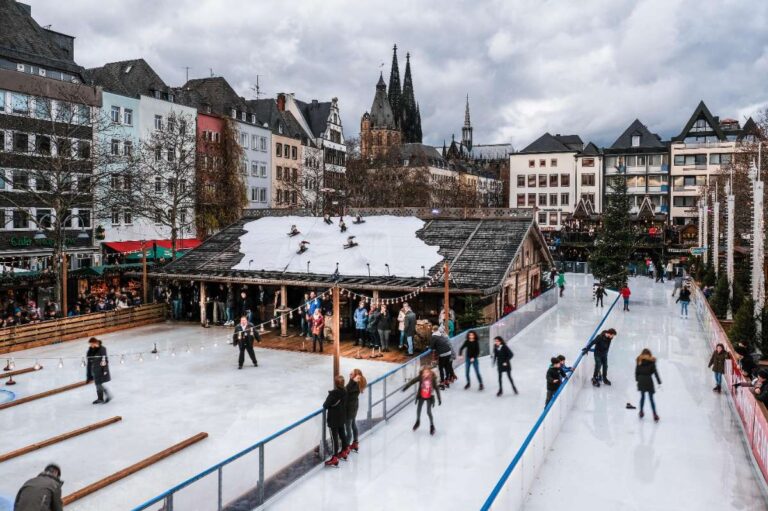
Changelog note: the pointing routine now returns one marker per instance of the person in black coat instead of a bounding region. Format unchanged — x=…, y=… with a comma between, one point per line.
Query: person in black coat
x=97, y=369
x=599, y=294
x=336, y=418
x=502, y=357
x=243, y=338
x=355, y=387
x=472, y=345
x=441, y=347
x=601, y=343
x=554, y=379
x=374, y=321
x=41, y=493
x=645, y=370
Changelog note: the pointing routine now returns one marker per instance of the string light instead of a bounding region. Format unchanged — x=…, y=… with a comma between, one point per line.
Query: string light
x=122, y=359
x=61, y=363
x=173, y=352
x=141, y=357
x=82, y=363
x=103, y=362
x=12, y=364
x=37, y=366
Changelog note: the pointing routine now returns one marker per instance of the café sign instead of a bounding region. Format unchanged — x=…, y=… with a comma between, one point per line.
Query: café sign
x=28, y=241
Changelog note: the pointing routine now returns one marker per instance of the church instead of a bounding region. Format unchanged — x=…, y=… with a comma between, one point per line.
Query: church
x=394, y=118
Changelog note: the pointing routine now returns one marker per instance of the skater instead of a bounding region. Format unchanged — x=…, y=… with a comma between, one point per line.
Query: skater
x=41, y=493
x=317, y=325
x=294, y=231
x=426, y=392
x=401, y=326
x=670, y=269
x=684, y=299
x=336, y=417
x=717, y=363
x=409, y=327
x=327, y=219
x=305, y=319
x=502, y=357
x=554, y=379
x=384, y=328
x=358, y=220
x=678, y=284
x=625, y=293
x=97, y=369
x=374, y=320
x=565, y=370
x=599, y=294
x=473, y=352
x=350, y=242
x=303, y=247
x=601, y=343
x=361, y=322
x=553, y=275
x=561, y=282
x=243, y=338
x=644, y=372
x=443, y=351
x=355, y=387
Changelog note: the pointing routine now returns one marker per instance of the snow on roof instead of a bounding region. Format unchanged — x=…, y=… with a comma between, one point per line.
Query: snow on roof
x=381, y=240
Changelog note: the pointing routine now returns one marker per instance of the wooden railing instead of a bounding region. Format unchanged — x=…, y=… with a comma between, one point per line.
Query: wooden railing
x=23, y=337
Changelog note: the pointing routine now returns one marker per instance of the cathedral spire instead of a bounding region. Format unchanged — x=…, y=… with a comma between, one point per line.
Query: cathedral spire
x=410, y=114
x=466, y=113
x=394, y=86
x=466, y=131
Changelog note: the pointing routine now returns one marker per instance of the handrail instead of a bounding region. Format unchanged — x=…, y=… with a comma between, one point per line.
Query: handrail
x=519, y=454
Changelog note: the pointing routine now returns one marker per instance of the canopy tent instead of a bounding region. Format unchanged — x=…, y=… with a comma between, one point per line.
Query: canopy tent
x=155, y=253
x=131, y=247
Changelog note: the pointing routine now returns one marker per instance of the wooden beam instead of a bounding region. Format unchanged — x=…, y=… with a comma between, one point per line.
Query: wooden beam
x=19, y=371
x=41, y=395
x=60, y=438
x=446, y=297
x=336, y=330
x=146, y=462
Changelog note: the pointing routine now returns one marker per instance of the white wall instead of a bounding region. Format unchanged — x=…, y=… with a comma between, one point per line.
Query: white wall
x=565, y=166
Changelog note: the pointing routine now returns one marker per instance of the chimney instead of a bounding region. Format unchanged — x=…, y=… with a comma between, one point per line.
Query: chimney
x=281, y=102
x=314, y=102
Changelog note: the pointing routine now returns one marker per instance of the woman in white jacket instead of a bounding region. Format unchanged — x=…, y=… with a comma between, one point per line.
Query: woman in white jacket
x=401, y=325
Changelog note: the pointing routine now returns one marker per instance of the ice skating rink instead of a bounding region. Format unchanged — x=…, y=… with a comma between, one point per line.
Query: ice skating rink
x=477, y=432
x=161, y=402
x=608, y=459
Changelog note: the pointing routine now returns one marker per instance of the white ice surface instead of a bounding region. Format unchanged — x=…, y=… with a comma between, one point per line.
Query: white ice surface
x=606, y=458
x=162, y=402
x=477, y=433
x=381, y=240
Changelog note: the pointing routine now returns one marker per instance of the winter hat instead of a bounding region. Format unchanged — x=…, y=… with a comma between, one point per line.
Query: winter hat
x=763, y=373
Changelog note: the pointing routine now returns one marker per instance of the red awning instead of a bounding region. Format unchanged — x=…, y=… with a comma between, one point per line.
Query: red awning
x=128, y=247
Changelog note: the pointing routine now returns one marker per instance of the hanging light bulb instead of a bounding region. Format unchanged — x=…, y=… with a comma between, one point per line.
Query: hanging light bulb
x=12, y=364
x=103, y=362
x=61, y=363
x=274, y=323
x=188, y=349
x=141, y=357
x=122, y=359
x=173, y=352
x=157, y=356
x=37, y=366
x=82, y=363
x=290, y=315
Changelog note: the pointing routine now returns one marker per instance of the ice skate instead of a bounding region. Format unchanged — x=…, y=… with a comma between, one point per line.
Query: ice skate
x=333, y=462
x=416, y=426
x=607, y=381
x=499, y=393
x=467, y=386
x=482, y=387
x=432, y=430
x=344, y=454
x=641, y=414
x=98, y=401
x=595, y=382
x=514, y=389
x=655, y=417
x=354, y=446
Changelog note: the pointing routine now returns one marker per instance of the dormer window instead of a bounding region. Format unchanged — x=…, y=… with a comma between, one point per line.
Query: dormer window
x=635, y=140
x=234, y=113
x=280, y=129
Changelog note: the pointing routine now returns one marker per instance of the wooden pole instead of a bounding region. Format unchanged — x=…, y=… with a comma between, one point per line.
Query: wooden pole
x=64, y=285
x=102, y=483
x=144, y=278
x=41, y=395
x=60, y=438
x=19, y=371
x=336, y=330
x=446, y=297
x=283, y=309
x=203, y=308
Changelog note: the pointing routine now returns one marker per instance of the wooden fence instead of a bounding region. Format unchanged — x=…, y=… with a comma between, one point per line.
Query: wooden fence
x=23, y=337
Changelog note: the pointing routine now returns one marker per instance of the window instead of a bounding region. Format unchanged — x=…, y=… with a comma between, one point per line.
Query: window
x=2, y=141
x=630, y=161
x=84, y=184
x=587, y=180
x=254, y=170
x=532, y=180
x=654, y=160
x=20, y=180
x=588, y=197
x=64, y=147
x=553, y=199
x=115, y=182
x=128, y=148
x=20, y=219
x=279, y=196
x=542, y=180
x=531, y=164
x=42, y=184
x=20, y=142
x=542, y=218
x=279, y=173
x=553, y=180
x=720, y=158
x=641, y=161
x=684, y=202
x=244, y=166
x=115, y=216
x=263, y=169
x=520, y=181
x=264, y=144
x=84, y=149
x=2, y=109
x=294, y=154
x=84, y=219
x=158, y=185
x=635, y=140
x=254, y=142
x=19, y=103
x=588, y=162
x=279, y=149
x=542, y=163
x=115, y=147
x=128, y=116
x=43, y=108
x=244, y=140
x=158, y=153
x=553, y=162
x=158, y=216
x=183, y=216
x=294, y=176
x=531, y=200
x=690, y=159
x=564, y=199
x=542, y=199
x=64, y=113
x=520, y=200
x=565, y=180
x=171, y=155
x=553, y=219
x=42, y=144
x=171, y=184
x=158, y=122
x=128, y=216
x=2, y=219
x=262, y=195
x=115, y=114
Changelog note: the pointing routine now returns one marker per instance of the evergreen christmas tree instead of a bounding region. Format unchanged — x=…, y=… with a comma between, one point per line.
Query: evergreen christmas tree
x=743, y=328
x=719, y=299
x=613, y=246
x=709, y=276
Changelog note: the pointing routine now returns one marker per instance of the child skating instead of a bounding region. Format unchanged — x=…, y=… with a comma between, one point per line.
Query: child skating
x=717, y=363
x=428, y=389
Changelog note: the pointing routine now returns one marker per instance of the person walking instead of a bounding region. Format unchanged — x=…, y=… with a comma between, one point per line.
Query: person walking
x=409, y=327
x=554, y=379
x=243, y=338
x=355, y=387
x=684, y=299
x=317, y=324
x=553, y=275
x=599, y=294
x=384, y=328
x=374, y=319
x=41, y=493
x=335, y=406
x=601, y=343
x=97, y=369
x=471, y=360
x=670, y=269
x=441, y=347
x=502, y=357
x=305, y=317
x=717, y=363
x=428, y=389
x=230, y=310
x=401, y=325
x=644, y=372
x=361, y=322
x=561, y=282
x=625, y=294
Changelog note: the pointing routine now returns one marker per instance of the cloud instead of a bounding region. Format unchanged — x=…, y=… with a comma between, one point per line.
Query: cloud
x=528, y=65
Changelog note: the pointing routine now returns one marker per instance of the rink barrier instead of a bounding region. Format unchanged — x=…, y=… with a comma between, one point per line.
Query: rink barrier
x=752, y=414
x=305, y=442
x=513, y=486
x=59, y=438
x=33, y=397
x=17, y=372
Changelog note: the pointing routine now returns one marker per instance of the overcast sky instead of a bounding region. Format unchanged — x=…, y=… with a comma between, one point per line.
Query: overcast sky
x=529, y=66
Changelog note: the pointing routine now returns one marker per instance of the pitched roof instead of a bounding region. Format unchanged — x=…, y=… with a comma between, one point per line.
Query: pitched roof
x=381, y=110
x=217, y=93
x=555, y=144
x=22, y=39
x=316, y=114
x=128, y=78
x=409, y=151
x=750, y=128
x=491, y=151
x=267, y=113
x=701, y=112
x=590, y=150
x=637, y=128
